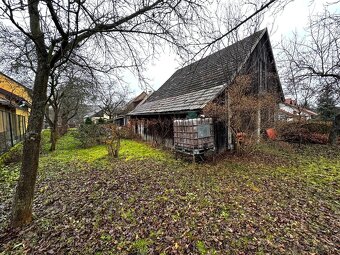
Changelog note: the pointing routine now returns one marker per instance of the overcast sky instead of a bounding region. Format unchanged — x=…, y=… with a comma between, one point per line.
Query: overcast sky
x=293, y=17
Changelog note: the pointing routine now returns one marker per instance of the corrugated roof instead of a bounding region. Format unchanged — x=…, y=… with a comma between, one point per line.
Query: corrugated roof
x=192, y=86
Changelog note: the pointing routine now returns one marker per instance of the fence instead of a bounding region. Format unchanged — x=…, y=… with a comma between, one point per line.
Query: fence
x=12, y=129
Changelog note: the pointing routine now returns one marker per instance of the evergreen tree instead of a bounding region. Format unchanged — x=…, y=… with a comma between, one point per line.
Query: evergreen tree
x=326, y=105
x=88, y=121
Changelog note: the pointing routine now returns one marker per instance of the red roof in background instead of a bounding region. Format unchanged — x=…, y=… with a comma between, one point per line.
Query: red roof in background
x=292, y=103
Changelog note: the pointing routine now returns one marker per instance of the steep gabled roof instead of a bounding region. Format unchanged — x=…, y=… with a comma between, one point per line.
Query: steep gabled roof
x=139, y=98
x=133, y=103
x=193, y=86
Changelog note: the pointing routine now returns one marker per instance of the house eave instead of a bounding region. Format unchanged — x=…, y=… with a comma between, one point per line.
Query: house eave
x=165, y=113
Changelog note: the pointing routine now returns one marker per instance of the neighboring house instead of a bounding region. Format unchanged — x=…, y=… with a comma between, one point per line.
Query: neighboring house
x=192, y=87
x=290, y=111
x=88, y=111
x=122, y=119
x=15, y=101
x=99, y=115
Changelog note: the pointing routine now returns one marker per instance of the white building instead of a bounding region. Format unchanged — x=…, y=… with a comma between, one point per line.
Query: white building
x=289, y=111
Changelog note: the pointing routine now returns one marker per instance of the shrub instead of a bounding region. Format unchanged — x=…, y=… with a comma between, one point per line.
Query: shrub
x=112, y=140
x=127, y=133
x=304, y=132
x=318, y=127
x=317, y=138
x=101, y=121
x=90, y=135
x=94, y=134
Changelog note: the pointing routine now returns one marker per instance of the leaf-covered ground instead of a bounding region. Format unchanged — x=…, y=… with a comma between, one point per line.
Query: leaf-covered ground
x=278, y=200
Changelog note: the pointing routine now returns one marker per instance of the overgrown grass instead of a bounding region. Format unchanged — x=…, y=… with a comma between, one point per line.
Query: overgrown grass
x=317, y=165
x=68, y=149
x=131, y=150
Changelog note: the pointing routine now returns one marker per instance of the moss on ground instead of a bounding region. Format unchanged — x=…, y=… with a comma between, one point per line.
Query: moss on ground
x=68, y=149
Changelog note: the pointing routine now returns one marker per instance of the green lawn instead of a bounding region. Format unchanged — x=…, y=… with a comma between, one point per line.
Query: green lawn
x=279, y=199
x=68, y=149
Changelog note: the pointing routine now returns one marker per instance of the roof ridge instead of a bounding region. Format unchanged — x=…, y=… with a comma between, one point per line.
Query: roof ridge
x=229, y=46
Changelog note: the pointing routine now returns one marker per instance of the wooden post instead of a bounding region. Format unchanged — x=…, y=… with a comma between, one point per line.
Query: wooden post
x=10, y=128
x=258, y=125
x=229, y=134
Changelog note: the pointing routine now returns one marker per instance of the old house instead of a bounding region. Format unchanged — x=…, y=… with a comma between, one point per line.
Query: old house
x=191, y=88
x=15, y=101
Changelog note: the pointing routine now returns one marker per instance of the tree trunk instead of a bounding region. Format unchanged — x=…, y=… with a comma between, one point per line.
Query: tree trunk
x=54, y=128
x=54, y=135
x=23, y=197
x=64, y=123
x=24, y=193
x=333, y=136
x=258, y=125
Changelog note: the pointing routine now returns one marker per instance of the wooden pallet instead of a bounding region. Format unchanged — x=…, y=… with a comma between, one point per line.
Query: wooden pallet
x=193, y=152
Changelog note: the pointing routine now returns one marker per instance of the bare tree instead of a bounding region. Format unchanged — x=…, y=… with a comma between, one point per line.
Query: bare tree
x=112, y=98
x=235, y=20
x=243, y=108
x=233, y=13
x=297, y=84
x=312, y=63
x=69, y=87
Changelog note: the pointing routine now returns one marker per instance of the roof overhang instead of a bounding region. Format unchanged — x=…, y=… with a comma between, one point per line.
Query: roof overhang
x=6, y=102
x=188, y=102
